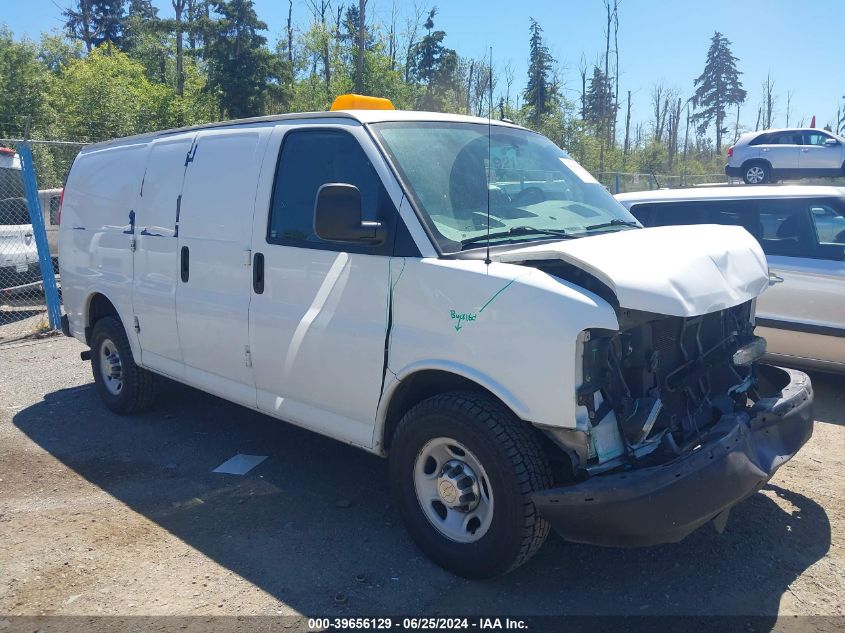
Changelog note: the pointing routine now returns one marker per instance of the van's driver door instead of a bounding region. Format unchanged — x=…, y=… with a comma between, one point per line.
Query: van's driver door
x=318, y=315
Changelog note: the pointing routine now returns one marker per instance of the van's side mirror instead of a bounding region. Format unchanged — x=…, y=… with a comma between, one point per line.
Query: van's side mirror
x=830, y=142
x=338, y=216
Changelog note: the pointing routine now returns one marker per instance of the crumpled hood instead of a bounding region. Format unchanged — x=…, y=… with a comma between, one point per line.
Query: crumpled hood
x=673, y=270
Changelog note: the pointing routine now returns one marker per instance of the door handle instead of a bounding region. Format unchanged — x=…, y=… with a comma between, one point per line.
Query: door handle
x=184, y=264
x=774, y=279
x=258, y=273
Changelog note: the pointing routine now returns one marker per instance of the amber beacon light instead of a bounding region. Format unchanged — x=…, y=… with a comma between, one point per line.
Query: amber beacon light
x=361, y=102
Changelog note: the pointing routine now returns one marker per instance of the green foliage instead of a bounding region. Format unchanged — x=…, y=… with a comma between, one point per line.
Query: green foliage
x=242, y=70
x=95, y=22
x=600, y=108
x=131, y=82
x=434, y=66
x=717, y=87
x=24, y=83
x=540, y=93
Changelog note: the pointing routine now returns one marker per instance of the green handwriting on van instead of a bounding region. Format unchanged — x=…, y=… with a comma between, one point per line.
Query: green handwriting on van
x=462, y=317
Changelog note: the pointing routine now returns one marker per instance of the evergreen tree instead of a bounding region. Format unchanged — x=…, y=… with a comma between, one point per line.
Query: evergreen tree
x=717, y=88
x=434, y=65
x=95, y=22
x=599, y=103
x=241, y=68
x=141, y=20
x=540, y=93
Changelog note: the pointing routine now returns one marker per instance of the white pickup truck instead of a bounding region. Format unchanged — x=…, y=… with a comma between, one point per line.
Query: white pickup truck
x=455, y=294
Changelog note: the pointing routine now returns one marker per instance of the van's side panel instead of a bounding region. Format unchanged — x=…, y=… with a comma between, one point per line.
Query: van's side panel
x=157, y=255
x=215, y=226
x=95, y=235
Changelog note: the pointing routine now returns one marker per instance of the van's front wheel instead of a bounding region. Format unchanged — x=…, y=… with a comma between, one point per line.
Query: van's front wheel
x=123, y=386
x=463, y=469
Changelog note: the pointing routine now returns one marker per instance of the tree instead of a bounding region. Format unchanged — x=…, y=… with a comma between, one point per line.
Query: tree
x=241, y=68
x=539, y=94
x=717, y=88
x=141, y=20
x=769, y=101
x=600, y=107
x=434, y=65
x=106, y=95
x=96, y=21
x=362, y=31
x=56, y=51
x=22, y=85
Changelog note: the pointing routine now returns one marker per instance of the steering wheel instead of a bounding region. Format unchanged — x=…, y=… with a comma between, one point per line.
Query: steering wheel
x=530, y=195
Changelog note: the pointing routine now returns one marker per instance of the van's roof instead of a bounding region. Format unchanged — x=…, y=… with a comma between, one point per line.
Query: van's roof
x=362, y=116
x=733, y=192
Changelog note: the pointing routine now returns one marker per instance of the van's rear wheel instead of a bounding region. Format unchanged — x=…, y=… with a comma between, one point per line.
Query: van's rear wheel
x=122, y=385
x=462, y=472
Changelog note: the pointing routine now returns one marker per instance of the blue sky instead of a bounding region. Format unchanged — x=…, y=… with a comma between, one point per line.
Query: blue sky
x=666, y=41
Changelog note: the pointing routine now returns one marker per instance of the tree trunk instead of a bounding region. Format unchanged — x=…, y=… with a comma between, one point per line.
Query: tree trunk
x=391, y=36
x=359, y=72
x=615, y=71
x=178, y=7
x=582, y=70
x=736, y=127
x=87, y=36
x=290, y=34
x=604, y=114
x=192, y=37
x=626, y=147
x=469, y=86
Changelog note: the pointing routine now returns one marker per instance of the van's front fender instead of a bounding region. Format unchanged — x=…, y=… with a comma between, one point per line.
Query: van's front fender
x=511, y=329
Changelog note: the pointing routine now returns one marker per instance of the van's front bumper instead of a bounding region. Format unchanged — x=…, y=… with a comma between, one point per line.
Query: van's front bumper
x=663, y=504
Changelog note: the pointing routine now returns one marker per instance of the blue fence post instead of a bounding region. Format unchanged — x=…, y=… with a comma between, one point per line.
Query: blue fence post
x=48, y=277
x=617, y=182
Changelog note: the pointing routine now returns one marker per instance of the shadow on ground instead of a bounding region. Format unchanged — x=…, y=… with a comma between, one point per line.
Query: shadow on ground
x=307, y=521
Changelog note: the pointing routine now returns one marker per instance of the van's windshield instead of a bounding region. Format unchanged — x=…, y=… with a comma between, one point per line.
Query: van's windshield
x=536, y=191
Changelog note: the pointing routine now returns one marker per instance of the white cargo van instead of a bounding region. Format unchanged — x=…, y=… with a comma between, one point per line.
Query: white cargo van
x=457, y=295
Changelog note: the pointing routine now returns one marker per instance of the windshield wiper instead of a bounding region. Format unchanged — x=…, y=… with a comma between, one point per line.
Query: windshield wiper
x=613, y=222
x=517, y=230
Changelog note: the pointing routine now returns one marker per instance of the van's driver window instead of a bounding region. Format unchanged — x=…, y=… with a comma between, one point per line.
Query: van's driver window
x=310, y=159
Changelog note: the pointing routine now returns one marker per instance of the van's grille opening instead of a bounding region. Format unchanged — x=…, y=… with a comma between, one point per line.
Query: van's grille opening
x=684, y=363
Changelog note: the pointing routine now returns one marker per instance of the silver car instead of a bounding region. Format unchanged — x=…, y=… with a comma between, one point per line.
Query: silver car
x=771, y=155
x=802, y=232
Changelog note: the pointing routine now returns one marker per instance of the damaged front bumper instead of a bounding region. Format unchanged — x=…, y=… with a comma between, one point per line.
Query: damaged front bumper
x=665, y=503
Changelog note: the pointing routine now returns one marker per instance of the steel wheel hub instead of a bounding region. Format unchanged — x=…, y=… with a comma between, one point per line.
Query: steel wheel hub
x=453, y=490
x=111, y=370
x=457, y=486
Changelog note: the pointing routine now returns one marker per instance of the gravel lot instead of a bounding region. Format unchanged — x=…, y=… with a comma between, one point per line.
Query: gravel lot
x=119, y=516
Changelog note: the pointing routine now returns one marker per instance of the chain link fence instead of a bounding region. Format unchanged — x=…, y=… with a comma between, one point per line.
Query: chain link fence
x=624, y=182
x=31, y=180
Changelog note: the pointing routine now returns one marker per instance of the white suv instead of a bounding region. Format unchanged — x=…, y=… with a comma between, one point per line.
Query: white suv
x=455, y=294
x=771, y=155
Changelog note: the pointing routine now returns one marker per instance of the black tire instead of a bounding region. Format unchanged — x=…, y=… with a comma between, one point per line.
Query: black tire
x=515, y=465
x=138, y=387
x=756, y=173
